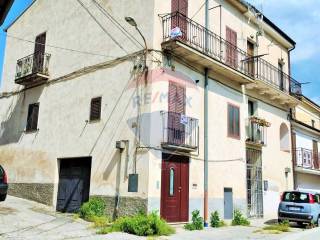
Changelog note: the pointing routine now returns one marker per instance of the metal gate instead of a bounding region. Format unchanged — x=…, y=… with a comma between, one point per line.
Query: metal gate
x=254, y=183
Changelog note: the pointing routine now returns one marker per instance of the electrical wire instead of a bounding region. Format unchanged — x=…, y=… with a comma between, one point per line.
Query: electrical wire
x=100, y=25
x=58, y=47
x=121, y=28
x=199, y=9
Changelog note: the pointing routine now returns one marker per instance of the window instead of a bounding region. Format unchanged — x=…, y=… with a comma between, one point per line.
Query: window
x=95, y=109
x=296, y=197
x=233, y=121
x=32, y=120
x=284, y=138
x=171, y=184
x=313, y=123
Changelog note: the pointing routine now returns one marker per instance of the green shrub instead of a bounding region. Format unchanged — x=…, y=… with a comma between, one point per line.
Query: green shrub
x=141, y=225
x=95, y=207
x=239, y=219
x=196, y=223
x=215, y=220
x=280, y=227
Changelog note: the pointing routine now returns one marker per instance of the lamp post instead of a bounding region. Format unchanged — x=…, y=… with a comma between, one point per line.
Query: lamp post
x=133, y=23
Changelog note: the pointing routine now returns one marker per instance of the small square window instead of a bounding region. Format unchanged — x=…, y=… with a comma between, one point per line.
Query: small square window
x=32, y=120
x=95, y=109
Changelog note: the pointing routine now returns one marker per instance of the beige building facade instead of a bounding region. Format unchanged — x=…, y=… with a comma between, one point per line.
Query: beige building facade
x=305, y=139
x=84, y=113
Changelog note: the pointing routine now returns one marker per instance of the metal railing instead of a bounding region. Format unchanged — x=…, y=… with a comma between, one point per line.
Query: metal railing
x=37, y=63
x=306, y=158
x=180, y=130
x=256, y=132
x=179, y=27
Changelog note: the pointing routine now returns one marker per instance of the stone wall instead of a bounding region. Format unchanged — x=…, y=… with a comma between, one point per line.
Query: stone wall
x=39, y=192
x=127, y=205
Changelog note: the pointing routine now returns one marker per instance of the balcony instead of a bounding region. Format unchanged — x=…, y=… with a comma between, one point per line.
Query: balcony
x=179, y=132
x=33, y=69
x=194, y=43
x=306, y=159
x=257, y=131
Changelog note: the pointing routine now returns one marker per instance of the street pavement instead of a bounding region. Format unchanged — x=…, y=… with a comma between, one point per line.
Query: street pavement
x=22, y=219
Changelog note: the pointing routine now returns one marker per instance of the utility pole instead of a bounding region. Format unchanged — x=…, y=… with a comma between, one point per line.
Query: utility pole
x=206, y=89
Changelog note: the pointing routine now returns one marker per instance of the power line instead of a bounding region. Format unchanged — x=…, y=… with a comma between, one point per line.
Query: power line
x=100, y=25
x=58, y=47
x=121, y=28
x=199, y=9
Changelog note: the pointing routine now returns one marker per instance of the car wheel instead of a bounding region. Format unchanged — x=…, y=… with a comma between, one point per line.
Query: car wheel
x=3, y=197
x=318, y=222
x=280, y=220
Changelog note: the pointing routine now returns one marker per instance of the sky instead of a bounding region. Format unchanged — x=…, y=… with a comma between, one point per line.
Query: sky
x=299, y=19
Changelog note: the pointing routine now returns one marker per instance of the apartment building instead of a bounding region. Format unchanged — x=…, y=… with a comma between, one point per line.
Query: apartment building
x=199, y=121
x=305, y=145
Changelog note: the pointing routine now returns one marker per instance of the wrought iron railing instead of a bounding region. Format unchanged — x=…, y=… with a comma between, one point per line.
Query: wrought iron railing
x=307, y=158
x=37, y=63
x=256, y=131
x=180, y=130
x=179, y=27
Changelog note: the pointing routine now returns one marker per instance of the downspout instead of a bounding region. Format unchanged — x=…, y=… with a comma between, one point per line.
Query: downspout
x=205, y=185
x=291, y=118
x=289, y=65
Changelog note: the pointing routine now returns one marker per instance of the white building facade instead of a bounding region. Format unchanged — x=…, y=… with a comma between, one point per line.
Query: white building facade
x=86, y=114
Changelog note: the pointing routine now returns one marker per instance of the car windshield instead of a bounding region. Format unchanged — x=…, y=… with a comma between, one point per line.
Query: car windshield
x=296, y=197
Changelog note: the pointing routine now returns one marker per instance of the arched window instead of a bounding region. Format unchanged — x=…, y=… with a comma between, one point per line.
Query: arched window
x=284, y=138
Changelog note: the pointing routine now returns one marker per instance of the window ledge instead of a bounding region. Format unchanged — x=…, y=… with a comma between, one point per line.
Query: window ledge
x=31, y=131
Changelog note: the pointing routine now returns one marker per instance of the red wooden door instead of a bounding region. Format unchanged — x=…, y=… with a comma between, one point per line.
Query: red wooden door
x=176, y=107
x=39, y=51
x=180, y=7
x=175, y=188
x=231, y=48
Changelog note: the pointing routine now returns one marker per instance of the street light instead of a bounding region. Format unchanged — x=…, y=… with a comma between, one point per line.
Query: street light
x=133, y=23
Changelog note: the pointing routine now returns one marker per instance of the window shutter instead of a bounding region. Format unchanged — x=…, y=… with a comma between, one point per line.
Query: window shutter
x=95, y=109
x=315, y=155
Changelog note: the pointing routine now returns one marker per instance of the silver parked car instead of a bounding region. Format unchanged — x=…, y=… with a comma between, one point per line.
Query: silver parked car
x=300, y=206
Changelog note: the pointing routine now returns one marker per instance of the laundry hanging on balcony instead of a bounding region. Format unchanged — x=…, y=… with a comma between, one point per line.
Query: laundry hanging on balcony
x=175, y=32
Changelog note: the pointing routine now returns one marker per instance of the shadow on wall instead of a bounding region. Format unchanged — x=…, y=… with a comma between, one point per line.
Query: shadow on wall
x=13, y=126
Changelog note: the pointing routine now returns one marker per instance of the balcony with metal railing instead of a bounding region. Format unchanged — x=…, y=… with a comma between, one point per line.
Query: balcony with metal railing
x=306, y=159
x=189, y=40
x=179, y=132
x=32, y=69
x=257, y=131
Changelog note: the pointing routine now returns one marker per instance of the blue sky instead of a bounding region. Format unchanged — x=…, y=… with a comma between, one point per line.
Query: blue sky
x=301, y=21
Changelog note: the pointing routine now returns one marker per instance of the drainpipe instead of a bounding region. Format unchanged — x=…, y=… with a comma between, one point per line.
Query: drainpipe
x=205, y=210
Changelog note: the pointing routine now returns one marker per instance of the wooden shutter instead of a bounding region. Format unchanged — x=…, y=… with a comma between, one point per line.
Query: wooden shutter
x=33, y=114
x=233, y=121
x=231, y=48
x=315, y=155
x=180, y=6
x=179, y=20
x=250, y=62
x=95, y=109
x=176, y=107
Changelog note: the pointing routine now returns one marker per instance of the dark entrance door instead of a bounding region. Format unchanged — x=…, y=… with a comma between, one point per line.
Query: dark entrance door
x=74, y=183
x=39, y=51
x=250, y=62
x=175, y=188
